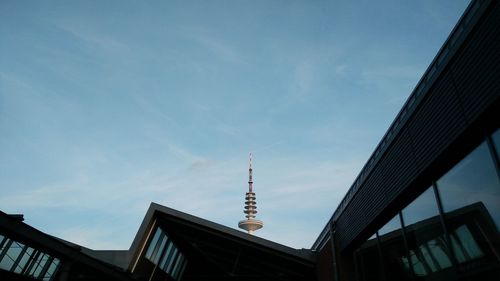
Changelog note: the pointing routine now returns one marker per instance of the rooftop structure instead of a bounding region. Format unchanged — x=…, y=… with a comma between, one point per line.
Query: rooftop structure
x=424, y=207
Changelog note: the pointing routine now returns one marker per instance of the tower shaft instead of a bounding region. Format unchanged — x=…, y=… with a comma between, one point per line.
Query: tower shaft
x=250, y=181
x=250, y=224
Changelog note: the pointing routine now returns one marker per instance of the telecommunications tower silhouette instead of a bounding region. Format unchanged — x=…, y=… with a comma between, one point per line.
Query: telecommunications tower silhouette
x=250, y=224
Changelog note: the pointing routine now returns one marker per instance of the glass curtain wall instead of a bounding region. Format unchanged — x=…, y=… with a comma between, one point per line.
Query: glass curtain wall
x=165, y=254
x=449, y=232
x=470, y=195
x=24, y=260
x=368, y=262
x=428, y=255
x=496, y=141
x=392, y=246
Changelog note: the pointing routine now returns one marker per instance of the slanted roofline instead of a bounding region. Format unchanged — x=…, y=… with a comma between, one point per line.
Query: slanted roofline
x=452, y=45
x=138, y=245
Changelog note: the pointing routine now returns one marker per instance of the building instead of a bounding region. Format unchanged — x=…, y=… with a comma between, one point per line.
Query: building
x=426, y=205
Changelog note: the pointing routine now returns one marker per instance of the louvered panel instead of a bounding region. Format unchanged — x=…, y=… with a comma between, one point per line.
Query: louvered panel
x=477, y=69
x=437, y=122
x=368, y=201
x=400, y=166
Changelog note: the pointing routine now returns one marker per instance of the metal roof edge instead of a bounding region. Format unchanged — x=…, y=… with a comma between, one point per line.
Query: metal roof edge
x=304, y=254
x=458, y=34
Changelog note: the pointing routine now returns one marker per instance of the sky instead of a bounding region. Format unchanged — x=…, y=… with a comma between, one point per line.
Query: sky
x=106, y=106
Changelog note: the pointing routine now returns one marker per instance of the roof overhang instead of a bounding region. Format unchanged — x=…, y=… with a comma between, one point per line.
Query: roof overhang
x=217, y=252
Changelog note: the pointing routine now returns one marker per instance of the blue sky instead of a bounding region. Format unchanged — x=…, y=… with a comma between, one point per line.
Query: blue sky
x=106, y=106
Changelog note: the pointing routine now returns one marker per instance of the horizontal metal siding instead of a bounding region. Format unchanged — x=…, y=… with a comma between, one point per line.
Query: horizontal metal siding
x=468, y=85
x=361, y=206
x=436, y=123
x=400, y=167
x=475, y=71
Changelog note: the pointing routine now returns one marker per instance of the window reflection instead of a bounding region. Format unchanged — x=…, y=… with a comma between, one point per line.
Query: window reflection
x=428, y=253
x=496, y=141
x=153, y=243
x=465, y=245
x=368, y=260
x=393, y=247
x=470, y=193
x=473, y=180
x=24, y=260
x=423, y=250
x=163, y=253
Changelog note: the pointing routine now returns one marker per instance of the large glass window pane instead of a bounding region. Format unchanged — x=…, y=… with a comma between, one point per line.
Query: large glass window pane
x=13, y=250
x=41, y=265
x=470, y=193
x=172, y=260
x=4, y=247
x=164, y=253
x=496, y=141
x=166, y=256
x=368, y=260
x=428, y=253
x=181, y=272
x=36, y=264
x=422, y=208
x=393, y=250
x=153, y=243
x=24, y=260
x=390, y=226
x=51, y=272
x=163, y=242
x=177, y=266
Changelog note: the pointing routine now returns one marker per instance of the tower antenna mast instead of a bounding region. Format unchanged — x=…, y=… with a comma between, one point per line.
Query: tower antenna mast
x=250, y=224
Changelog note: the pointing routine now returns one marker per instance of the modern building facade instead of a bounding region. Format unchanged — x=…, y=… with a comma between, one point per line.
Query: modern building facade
x=426, y=205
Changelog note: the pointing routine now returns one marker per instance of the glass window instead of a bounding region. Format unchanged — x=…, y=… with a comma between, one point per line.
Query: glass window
x=472, y=183
x=368, y=261
x=12, y=250
x=52, y=270
x=153, y=243
x=464, y=244
x=393, y=248
x=181, y=272
x=390, y=226
x=17, y=257
x=171, y=262
x=422, y=208
x=41, y=263
x=24, y=260
x=496, y=141
x=428, y=252
x=36, y=264
x=470, y=194
x=162, y=243
x=163, y=252
x=166, y=255
x=177, y=266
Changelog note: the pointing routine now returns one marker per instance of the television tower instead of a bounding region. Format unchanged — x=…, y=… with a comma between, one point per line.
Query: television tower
x=250, y=224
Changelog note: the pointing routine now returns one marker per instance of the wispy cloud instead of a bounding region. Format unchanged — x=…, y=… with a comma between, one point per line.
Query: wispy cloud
x=211, y=190
x=303, y=78
x=221, y=48
x=104, y=42
x=393, y=81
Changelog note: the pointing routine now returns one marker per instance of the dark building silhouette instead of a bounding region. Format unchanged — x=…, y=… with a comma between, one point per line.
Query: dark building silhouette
x=426, y=205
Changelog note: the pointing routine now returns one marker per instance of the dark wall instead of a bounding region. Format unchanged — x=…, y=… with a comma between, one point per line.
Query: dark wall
x=324, y=268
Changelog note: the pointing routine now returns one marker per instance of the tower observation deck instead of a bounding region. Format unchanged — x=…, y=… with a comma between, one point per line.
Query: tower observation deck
x=250, y=224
